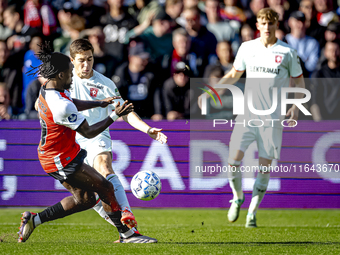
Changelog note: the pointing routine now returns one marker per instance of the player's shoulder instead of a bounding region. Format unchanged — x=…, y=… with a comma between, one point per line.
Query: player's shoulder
x=102, y=79
x=251, y=43
x=59, y=102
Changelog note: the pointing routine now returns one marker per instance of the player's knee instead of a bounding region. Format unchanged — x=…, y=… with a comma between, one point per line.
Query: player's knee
x=107, y=187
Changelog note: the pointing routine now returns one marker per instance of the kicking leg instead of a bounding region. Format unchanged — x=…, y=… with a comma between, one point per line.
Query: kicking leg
x=103, y=164
x=82, y=184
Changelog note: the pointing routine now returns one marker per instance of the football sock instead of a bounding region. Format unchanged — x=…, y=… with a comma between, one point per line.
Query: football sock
x=100, y=210
x=123, y=230
x=119, y=192
x=36, y=220
x=52, y=213
x=235, y=182
x=260, y=187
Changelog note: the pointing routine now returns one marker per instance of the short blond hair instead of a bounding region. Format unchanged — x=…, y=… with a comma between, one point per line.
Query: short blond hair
x=268, y=14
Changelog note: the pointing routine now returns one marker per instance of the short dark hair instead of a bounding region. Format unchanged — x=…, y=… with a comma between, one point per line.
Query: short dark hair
x=79, y=46
x=53, y=63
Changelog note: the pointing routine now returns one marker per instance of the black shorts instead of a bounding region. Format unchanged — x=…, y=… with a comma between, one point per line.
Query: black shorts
x=72, y=167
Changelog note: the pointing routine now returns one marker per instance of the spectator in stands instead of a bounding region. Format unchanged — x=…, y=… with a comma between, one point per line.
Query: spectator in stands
x=30, y=98
x=174, y=8
x=30, y=59
x=39, y=14
x=279, y=7
x=225, y=59
x=135, y=80
x=332, y=33
x=157, y=37
x=254, y=7
x=90, y=12
x=5, y=108
x=117, y=22
x=307, y=47
x=221, y=29
x=182, y=53
x=234, y=13
x=202, y=39
x=247, y=33
x=145, y=8
x=326, y=91
x=313, y=28
x=188, y=4
x=72, y=25
x=5, y=32
x=325, y=11
x=10, y=74
x=177, y=94
x=14, y=21
x=103, y=62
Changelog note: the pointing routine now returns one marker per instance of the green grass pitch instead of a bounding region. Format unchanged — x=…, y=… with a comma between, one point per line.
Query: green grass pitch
x=181, y=231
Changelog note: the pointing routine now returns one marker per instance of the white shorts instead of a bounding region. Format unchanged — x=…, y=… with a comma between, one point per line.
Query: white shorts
x=94, y=146
x=268, y=139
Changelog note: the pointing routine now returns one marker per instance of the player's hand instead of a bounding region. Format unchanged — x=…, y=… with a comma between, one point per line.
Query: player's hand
x=293, y=112
x=124, y=109
x=109, y=100
x=156, y=134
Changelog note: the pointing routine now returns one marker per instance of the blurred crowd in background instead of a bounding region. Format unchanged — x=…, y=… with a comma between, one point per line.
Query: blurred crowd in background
x=144, y=46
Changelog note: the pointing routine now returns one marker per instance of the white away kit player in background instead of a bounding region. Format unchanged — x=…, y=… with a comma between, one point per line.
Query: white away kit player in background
x=91, y=85
x=269, y=64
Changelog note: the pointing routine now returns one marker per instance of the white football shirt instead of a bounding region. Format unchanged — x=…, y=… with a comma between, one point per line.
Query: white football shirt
x=98, y=87
x=266, y=68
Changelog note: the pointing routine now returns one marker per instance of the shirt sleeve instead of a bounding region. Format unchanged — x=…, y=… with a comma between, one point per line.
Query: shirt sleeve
x=294, y=65
x=239, y=63
x=68, y=115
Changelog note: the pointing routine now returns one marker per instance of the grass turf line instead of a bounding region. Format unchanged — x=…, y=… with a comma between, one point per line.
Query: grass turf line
x=179, y=231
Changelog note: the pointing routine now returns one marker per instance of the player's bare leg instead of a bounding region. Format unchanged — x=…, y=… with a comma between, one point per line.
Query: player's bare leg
x=103, y=164
x=82, y=184
x=235, y=182
x=260, y=188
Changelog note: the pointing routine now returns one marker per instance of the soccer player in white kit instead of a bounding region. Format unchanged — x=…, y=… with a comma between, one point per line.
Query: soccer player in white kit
x=91, y=85
x=269, y=64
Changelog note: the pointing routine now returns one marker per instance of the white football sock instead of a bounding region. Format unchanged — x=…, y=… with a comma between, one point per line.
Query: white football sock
x=100, y=210
x=119, y=192
x=235, y=182
x=260, y=187
x=37, y=220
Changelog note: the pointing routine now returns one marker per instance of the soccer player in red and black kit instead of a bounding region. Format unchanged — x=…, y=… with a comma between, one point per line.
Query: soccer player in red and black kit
x=61, y=156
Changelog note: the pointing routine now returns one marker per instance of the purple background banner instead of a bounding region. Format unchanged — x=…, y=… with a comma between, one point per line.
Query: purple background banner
x=24, y=183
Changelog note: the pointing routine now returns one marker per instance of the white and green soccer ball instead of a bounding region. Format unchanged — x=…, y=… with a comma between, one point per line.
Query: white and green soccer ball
x=146, y=185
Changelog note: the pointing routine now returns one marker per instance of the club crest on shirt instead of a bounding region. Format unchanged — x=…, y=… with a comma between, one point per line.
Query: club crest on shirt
x=72, y=118
x=93, y=92
x=278, y=59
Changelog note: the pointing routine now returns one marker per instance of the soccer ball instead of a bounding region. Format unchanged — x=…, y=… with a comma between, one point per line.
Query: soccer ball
x=146, y=185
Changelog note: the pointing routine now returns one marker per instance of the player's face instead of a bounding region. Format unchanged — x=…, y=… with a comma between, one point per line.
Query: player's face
x=267, y=28
x=68, y=77
x=83, y=63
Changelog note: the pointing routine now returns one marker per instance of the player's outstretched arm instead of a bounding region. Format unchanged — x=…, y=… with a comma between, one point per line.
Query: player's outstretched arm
x=293, y=112
x=155, y=133
x=91, y=131
x=83, y=105
x=230, y=78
